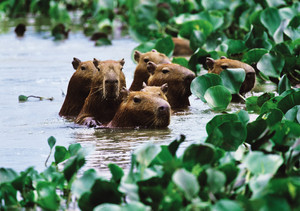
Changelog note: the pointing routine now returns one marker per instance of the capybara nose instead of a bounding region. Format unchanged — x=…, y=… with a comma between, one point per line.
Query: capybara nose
x=164, y=109
x=111, y=81
x=188, y=79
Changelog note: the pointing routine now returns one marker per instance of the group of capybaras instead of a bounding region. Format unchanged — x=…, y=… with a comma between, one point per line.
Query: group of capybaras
x=97, y=94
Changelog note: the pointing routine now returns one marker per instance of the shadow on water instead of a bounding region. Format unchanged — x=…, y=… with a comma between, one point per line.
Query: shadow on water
x=37, y=66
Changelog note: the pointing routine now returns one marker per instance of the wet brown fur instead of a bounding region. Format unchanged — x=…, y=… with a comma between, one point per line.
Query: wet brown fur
x=141, y=73
x=78, y=88
x=178, y=79
x=142, y=109
x=104, y=98
x=159, y=91
x=217, y=66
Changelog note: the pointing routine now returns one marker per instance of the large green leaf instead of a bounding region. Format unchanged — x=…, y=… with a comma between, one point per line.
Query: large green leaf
x=233, y=78
x=259, y=163
x=219, y=120
x=218, y=97
x=235, y=46
x=165, y=45
x=136, y=206
x=61, y=154
x=271, y=64
x=293, y=114
x=84, y=183
x=201, y=83
x=293, y=29
x=198, y=58
x=226, y=205
x=254, y=55
x=187, y=182
x=251, y=104
x=7, y=175
x=216, y=18
x=146, y=153
x=181, y=60
x=215, y=180
x=47, y=196
x=289, y=101
x=116, y=171
x=270, y=18
x=187, y=28
x=228, y=136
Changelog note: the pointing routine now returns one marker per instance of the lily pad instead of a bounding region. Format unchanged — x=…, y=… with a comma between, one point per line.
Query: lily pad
x=233, y=78
x=218, y=97
x=271, y=64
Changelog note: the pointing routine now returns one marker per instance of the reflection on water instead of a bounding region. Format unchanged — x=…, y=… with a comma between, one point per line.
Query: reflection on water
x=37, y=66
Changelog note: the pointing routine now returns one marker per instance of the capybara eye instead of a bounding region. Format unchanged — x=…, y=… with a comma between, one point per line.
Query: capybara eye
x=164, y=71
x=224, y=66
x=146, y=60
x=136, y=100
x=82, y=68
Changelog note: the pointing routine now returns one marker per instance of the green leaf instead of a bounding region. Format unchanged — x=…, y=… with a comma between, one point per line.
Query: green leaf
x=215, y=180
x=216, y=18
x=201, y=83
x=259, y=163
x=289, y=101
x=226, y=205
x=61, y=154
x=293, y=114
x=84, y=183
x=228, y=136
x=136, y=206
x=264, y=98
x=199, y=57
x=270, y=18
x=181, y=61
x=218, y=120
x=258, y=185
x=103, y=42
x=116, y=172
x=271, y=64
x=74, y=149
x=270, y=104
x=235, y=46
x=187, y=182
x=230, y=170
x=243, y=116
x=218, y=97
x=47, y=196
x=23, y=98
x=146, y=153
x=255, y=130
x=188, y=27
x=251, y=104
x=197, y=39
x=254, y=55
x=233, y=78
x=73, y=165
x=51, y=142
x=165, y=45
x=7, y=175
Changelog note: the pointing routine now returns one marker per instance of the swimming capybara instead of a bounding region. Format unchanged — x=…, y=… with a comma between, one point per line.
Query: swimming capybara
x=181, y=47
x=159, y=91
x=178, y=79
x=142, y=109
x=141, y=73
x=104, y=98
x=78, y=88
x=217, y=66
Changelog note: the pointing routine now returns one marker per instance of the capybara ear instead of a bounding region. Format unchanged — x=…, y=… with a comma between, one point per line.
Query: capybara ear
x=124, y=93
x=151, y=66
x=122, y=61
x=96, y=62
x=210, y=62
x=76, y=63
x=154, y=50
x=164, y=88
x=137, y=56
x=223, y=57
x=144, y=85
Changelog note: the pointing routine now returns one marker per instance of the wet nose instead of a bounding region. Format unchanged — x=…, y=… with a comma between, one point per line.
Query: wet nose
x=163, y=109
x=188, y=79
x=111, y=81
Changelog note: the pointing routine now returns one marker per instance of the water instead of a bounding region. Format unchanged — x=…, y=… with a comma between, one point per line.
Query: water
x=35, y=65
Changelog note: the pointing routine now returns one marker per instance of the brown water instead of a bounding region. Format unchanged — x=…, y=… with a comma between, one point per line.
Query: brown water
x=36, y=65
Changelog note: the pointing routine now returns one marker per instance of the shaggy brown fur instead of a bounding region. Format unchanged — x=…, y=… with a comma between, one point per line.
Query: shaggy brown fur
x=78, y=88
x=141, y=73
x=142, y=109
x=217, y=66
x=178, y=79
x=104, y=98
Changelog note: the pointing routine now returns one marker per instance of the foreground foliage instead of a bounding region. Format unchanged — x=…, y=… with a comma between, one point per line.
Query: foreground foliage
x=240, y=165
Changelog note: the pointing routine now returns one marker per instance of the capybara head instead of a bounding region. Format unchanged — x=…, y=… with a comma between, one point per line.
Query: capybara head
x=159, y=91
x=142, y=109
x=78, y=88
x=217, y=66
x=178, y=79
x=110, y=79
x=141, y=73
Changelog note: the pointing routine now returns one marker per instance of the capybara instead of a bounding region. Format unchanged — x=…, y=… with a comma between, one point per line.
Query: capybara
x=160, y=91
x=141, y=73
x=142, y=109
x=217, y=66
x=181, y=47
x=104, y=98
x=78, y=88
x=178, y=79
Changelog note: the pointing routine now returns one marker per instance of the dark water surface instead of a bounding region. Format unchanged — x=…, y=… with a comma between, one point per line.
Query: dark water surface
x=35, y=65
